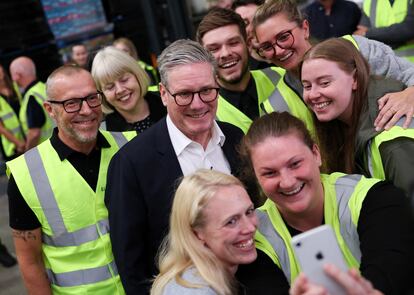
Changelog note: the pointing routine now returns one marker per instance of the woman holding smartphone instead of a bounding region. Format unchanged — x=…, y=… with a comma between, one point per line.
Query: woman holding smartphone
x=371, y=219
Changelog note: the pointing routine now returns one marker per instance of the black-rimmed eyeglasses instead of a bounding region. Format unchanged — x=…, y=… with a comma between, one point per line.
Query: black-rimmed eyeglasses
x=185, y=98
x=284, y=40
x=73, y=105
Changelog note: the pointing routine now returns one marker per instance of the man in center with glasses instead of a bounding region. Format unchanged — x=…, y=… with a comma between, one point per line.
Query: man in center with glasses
x=143, y=175
x=56, y=195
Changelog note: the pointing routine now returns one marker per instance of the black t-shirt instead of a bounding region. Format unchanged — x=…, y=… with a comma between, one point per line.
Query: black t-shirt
x=386, y=233
x=35, y=114
x=342, y=20
x=21, y=215
x=246, y=101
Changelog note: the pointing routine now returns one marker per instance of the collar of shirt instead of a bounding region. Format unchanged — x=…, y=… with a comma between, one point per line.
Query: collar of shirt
x=180, y=142
x=65, y=151
x=29, y=86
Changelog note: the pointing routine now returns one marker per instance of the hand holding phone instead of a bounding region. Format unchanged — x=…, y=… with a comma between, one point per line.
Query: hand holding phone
x=316, y=248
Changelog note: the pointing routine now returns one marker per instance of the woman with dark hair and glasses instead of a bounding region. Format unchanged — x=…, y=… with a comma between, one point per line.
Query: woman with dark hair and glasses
x=283, y=39
x=127, y=103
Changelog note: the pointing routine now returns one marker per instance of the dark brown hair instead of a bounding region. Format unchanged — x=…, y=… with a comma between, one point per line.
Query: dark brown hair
x=219, y=17
x=240, y=3
x=337, y=140
x=9, y=85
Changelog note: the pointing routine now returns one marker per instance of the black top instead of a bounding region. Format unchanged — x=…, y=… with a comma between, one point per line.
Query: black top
x=246, y=101
x=385, y=230
x=21, y=216
x=34, y=112
x=255, y=64
x=343, y=19
x=142, y=178
x=115, y=121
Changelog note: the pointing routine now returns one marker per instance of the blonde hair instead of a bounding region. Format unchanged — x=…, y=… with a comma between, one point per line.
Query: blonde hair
x=181, y=248
x=127, y=43
x=109, y=65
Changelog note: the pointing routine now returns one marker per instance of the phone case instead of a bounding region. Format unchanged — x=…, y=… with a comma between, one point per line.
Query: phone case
x=313, y=249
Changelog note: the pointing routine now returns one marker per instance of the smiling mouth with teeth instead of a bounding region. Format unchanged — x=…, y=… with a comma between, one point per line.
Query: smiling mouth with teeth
x=245, y=244
x=228, y=64
x=321, y=105
x=294, y=192
x=286, y=56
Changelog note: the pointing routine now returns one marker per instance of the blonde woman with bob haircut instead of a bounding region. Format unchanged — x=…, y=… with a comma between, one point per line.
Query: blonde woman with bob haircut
x=212, y=226
x=127, y=103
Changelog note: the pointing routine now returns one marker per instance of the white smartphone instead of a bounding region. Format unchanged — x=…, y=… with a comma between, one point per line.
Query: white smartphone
x=313, y=249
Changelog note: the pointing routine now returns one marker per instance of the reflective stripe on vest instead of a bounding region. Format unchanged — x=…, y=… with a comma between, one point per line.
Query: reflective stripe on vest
x=399, y=123
x=44, y=191
x=273, y=76
x=373, y=12
x=344, y=188
x=276, y=99
x=267, y=229
x=120, y=138
x=6, y=116
x=16, y=130
x=39, y=95
x=78, y=237
x=83, y=276
x=61, y=237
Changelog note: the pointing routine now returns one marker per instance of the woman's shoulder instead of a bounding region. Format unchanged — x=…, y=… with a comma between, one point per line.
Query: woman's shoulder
x=190, y=275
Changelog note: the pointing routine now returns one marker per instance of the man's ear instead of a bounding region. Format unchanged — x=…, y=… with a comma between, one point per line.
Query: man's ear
x=48, y=107
x=164, y=94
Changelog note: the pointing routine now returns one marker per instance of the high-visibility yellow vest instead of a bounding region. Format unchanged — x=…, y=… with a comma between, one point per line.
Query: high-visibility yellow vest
x=273, y=95
x=148, y=68
x=382, y=14
x=11, y=123
x=38, y=91
x=374, y=161
x=344, y=194
x=74, y=220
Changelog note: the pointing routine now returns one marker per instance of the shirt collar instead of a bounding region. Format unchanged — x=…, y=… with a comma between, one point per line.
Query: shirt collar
x=65, y=151
x=180, y=141
x=29, y=86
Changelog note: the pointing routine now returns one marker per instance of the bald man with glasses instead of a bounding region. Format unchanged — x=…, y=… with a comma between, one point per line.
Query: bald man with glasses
x=56, y=194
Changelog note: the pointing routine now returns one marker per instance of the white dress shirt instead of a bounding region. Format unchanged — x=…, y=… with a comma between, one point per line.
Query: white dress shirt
x=192, y=156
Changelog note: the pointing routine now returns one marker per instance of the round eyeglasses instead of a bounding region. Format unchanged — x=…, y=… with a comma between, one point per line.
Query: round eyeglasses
x=284, y=40
x=73, y=105
x=185, y=98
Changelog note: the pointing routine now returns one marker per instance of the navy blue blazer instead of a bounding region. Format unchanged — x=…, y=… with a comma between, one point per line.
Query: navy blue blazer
x=142, y=179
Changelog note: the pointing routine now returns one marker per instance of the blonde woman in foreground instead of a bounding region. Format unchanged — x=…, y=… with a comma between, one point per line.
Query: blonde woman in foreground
x=212, y=226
